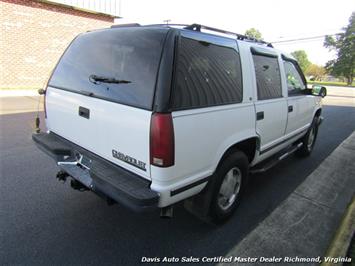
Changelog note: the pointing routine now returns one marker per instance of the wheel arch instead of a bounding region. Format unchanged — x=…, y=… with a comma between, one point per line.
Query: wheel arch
x=318, y=112
x=248, y=146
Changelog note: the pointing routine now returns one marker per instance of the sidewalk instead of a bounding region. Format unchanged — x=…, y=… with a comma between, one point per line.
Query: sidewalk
x=304, y=224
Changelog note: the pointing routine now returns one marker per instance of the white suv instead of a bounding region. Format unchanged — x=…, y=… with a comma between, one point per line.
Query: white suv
x=149, y=116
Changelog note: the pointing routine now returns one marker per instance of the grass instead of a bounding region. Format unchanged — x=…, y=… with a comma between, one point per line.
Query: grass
x=331, y=83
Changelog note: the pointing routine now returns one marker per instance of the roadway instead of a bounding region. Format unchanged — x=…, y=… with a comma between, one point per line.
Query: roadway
x=46, y=222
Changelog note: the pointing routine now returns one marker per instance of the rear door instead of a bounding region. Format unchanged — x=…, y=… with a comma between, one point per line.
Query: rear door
x=100, y=95
x=271, y=105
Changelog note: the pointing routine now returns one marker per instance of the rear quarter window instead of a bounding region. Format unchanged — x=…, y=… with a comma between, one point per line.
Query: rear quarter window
x=206, y=75
x=130, y=54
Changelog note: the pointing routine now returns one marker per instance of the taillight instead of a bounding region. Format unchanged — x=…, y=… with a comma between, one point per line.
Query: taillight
x=162, y=140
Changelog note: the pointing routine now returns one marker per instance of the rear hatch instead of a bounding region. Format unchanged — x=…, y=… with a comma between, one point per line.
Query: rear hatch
x=101, y=93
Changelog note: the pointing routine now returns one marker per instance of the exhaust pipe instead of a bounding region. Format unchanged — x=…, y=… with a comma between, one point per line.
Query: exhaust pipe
x=166, y=212
x=75, y=184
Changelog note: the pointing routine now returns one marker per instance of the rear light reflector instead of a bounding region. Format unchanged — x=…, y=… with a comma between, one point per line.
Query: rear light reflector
x=162, y=147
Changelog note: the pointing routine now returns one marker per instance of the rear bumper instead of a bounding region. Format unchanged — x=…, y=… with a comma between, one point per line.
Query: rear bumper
x=97, y=174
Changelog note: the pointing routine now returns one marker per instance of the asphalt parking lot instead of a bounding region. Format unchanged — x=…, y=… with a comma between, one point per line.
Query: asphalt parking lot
x=46, y=222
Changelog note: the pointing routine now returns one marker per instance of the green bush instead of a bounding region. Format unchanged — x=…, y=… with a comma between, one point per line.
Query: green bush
x=330, y=83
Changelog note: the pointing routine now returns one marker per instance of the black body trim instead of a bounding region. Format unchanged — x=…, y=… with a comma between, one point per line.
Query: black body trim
x=163, y=89
x=281, y=142
x=187, y=187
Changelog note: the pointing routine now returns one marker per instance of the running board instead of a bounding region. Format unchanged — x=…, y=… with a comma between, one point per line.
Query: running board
x=266, y=166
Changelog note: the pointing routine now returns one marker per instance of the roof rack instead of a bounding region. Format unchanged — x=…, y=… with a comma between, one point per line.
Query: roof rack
x=149, y=25
x=198, y=27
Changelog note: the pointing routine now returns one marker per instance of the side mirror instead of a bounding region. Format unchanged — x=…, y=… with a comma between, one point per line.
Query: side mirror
x=41, y=91
x=319, y=90
x=323, y=92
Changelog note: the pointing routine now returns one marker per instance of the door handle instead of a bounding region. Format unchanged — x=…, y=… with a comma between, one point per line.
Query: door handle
x=290, y=108
x=260, y=115
x=84, y=112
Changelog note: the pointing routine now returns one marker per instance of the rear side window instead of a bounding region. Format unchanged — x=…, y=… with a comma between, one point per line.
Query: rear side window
x=206, y=75
x=268, y=78
x=118, y=65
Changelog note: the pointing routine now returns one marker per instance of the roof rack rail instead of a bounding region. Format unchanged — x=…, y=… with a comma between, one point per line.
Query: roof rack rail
x=198, y=27
x=126, y=25
x=168, y=25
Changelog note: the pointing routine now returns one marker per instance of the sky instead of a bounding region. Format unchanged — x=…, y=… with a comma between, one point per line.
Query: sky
x=276, y=19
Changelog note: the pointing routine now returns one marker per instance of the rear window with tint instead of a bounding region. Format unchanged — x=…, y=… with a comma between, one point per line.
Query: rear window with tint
x=268, y=79
x=129, y=54
x=206, y=75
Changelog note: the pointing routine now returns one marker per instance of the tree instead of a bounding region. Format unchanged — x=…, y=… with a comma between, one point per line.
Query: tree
x=253, y=33
x=317, y=72
x=302, y=59
x=344, y=46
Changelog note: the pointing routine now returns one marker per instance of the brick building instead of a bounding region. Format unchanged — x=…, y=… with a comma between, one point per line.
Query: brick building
x=34, y=34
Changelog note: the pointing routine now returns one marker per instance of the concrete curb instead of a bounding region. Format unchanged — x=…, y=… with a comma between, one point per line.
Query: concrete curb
x=300, y=229
x=342, y=238
x=17, y=93
x=20, y=104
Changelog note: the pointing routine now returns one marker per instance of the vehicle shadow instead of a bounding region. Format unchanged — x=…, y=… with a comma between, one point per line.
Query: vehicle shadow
x=49, y=223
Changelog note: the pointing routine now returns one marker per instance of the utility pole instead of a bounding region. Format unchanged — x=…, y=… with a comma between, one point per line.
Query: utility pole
x=167, y=21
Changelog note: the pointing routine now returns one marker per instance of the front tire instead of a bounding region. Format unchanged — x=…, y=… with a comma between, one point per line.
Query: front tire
x=309, y=139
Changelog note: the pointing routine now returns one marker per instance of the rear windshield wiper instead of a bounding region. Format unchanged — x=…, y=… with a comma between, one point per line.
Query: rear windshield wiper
x=97, y=79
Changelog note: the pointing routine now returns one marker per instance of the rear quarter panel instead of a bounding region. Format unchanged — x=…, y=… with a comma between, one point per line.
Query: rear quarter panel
x=201, y=138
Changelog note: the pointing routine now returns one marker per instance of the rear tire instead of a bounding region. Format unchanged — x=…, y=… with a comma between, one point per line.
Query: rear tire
x=230, y=182
x=309, y=139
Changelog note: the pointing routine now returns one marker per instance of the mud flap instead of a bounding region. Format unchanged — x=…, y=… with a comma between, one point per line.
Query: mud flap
x=199, y=205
